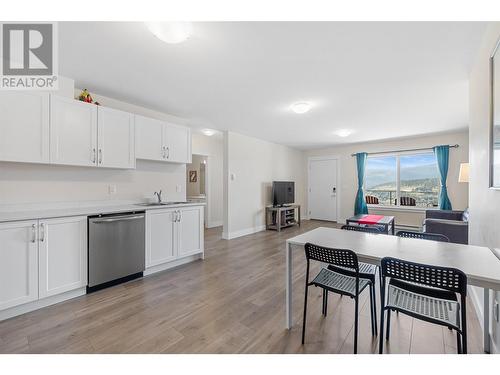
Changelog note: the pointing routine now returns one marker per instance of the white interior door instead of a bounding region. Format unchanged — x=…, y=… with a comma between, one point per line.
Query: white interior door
x=323, y=189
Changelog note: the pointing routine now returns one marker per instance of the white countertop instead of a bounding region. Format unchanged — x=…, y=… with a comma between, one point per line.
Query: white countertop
x=46, y=210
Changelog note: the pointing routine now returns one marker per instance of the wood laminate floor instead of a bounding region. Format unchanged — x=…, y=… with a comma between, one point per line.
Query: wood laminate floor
x=231, y=302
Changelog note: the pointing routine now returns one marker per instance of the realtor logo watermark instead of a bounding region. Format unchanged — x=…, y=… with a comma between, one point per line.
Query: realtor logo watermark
x=29, y=56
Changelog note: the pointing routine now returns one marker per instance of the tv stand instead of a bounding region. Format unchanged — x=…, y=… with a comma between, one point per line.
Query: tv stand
x=280, y=217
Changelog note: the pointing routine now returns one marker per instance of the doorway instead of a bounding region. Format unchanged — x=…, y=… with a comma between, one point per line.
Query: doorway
x=197, y=182
x=323, y=192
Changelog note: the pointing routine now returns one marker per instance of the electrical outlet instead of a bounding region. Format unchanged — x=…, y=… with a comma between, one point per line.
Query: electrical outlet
x=111, y=189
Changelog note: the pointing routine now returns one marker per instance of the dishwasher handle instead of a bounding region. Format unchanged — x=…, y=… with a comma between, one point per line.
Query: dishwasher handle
x=117, y=218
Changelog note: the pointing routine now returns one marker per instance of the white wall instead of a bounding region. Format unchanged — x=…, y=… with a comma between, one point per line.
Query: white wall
x=484, y=202
x=213, y=148
x=255, y=164
x=457, y=191
x=35, y=183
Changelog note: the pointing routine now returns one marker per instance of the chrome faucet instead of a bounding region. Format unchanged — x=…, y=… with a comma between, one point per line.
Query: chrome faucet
x=158, y=195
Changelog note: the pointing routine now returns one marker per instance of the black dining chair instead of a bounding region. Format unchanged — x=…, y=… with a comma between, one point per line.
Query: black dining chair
x=424, y=292
x=366, y=271
x=423, y=236
x=366, y=229
x=336, y=282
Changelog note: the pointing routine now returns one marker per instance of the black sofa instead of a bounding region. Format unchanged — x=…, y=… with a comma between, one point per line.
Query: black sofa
x=453, y=224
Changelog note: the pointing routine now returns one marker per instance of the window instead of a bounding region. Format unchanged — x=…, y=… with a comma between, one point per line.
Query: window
x=381, y=179
x=402, y=180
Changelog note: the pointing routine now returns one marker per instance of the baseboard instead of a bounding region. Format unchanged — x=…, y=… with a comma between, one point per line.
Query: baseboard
x=35, y=305
x=214, y=224
x=243, y=232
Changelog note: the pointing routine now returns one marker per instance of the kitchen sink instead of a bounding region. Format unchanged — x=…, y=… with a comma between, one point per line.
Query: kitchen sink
x=159, y=204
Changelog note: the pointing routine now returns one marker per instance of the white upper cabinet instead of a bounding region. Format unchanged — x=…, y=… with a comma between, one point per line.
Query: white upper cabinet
x=18, y=263
x=149, y=138
x=42, y=128
x=116, y=138
x=162, y=141
x=177, y=141
x=24, y=126
x=62, y=255
x=73, y=132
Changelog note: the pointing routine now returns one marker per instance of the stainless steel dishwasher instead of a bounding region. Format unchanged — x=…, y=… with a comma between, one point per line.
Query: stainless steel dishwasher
x=116, y=249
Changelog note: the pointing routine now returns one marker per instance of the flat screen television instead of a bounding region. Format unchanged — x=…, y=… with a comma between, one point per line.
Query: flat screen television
x=283, y=193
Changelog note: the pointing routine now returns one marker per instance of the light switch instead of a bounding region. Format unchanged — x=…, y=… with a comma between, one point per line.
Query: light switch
x=233, y=177
x=111, y=189
x=178, y=189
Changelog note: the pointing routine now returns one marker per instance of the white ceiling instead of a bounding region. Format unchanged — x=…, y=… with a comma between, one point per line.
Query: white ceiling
x=381, y=80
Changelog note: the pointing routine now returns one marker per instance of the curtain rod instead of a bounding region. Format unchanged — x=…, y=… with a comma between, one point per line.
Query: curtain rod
x=407, y=150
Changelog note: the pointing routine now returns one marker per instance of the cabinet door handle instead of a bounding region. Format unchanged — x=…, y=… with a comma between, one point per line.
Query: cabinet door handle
x=163, y=152
x=100, y=156
x=93, y=156
x=174, y=216
x=180, y=216
x=33, y=233
x=42, y=232
x=168, y=153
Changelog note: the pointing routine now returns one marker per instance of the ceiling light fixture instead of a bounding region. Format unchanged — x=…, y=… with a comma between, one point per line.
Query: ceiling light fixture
x=170, y=32
x=208, y=132
x=301, y=107
x=343, y=133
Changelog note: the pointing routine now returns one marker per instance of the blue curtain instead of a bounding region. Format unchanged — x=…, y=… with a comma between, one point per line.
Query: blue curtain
x=442, y=155
x=360, y=206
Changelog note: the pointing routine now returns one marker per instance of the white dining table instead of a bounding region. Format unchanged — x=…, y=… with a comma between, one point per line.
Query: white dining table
x=479, y=263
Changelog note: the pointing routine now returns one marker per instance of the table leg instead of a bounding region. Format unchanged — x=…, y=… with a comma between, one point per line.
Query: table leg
x=393, y=227
x=288, y=284
x=486, y=320
x=278, y=220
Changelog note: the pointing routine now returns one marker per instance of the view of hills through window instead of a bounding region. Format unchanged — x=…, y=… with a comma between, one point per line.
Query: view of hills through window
x=418, y=180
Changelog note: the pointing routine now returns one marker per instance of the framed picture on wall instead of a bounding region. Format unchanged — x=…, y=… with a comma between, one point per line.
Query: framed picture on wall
x=193, y=176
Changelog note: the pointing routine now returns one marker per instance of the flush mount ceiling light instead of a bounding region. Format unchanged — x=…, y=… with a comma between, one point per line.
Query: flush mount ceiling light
x=170, y=32
x=208, y=132
x=301, y=107
x=343, y=133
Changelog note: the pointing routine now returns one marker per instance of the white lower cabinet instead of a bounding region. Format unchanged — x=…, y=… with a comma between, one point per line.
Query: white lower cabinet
x=173, y=233
x=190, y=230
x=160, y=238
x=62, y=255
x=18, y=263
x=41, y=258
